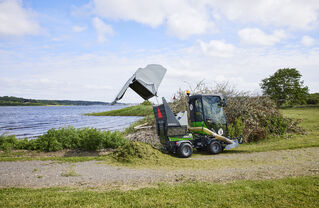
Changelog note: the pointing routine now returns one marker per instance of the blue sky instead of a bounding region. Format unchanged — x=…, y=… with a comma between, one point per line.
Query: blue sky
x=87, y=49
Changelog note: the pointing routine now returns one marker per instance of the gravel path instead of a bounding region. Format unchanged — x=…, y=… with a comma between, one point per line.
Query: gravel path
x=264, y=165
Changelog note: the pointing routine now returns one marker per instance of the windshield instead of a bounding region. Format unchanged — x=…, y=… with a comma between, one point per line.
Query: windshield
x=213, y=111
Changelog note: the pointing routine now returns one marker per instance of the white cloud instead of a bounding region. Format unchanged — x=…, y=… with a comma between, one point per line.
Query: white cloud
x=217, y=48
x=79, y=28
x=143, y=11
x=103, y=30
x=292, y=13
x=16, y=20
x=255, y=36
x=307, y=40
x=188, y=22
x=183, y=18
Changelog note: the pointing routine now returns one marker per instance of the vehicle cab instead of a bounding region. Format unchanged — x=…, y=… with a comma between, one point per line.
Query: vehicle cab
x=207, y=111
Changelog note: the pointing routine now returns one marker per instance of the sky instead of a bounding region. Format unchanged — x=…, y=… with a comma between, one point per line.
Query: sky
x=88, y=49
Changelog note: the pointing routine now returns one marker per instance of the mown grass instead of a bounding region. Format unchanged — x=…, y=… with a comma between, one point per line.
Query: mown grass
x=137, y=110
x=287, y=192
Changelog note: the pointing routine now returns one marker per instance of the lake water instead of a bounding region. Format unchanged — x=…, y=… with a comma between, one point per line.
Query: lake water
x=32, y=121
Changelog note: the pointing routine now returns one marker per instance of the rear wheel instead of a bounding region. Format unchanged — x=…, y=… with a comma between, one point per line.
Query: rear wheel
x=185, y=150
x=215, y=147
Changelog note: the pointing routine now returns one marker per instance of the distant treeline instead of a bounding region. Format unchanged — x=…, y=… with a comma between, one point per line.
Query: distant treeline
x=313, y=99
x=16, y=101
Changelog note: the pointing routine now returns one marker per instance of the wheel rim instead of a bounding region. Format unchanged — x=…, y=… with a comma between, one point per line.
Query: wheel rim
x=186, y=150
x=215, y=147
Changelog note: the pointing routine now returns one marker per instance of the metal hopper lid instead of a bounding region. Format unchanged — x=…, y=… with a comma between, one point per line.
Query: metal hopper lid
x=145, y=82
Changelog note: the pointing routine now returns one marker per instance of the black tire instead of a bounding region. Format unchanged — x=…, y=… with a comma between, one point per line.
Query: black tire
x=215, y=147
x=185, y=150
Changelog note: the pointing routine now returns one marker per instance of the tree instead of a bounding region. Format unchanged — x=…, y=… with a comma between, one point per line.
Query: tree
x=285, y=87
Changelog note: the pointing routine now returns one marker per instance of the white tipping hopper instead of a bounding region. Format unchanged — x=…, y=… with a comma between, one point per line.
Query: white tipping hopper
x=145, y=82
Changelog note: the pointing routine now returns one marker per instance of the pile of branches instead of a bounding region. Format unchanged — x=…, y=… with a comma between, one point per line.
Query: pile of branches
x=259, y=115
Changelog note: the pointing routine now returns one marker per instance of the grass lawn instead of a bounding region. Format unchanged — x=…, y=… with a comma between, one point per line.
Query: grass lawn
x=287, y=192
x=137, y=110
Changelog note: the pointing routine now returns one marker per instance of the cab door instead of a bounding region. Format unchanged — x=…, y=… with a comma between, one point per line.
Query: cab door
x=196, y=112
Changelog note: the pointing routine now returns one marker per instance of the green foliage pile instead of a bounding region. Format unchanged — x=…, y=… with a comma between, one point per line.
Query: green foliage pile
x=285, y=87
x=134, y=151
x=66, y=138
x=255, y=117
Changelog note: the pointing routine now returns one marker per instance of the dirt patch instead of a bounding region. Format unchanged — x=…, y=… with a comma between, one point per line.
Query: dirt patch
x=277, y=164
x=61, y=153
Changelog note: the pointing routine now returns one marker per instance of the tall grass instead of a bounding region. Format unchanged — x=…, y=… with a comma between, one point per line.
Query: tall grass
x=66, y=138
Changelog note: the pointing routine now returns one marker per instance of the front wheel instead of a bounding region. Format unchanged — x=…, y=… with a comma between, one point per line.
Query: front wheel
x=215, y=147
x=185, y=150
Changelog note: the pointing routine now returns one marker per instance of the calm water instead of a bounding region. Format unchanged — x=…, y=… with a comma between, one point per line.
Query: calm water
x=32, y=121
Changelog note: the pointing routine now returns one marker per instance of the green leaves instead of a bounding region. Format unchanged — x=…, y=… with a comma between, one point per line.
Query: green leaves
x=285, y=87
x=237, y=128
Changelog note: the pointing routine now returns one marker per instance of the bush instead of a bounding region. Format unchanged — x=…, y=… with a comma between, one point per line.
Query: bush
x=7, y=143
x=237, y=128
x=66, y=138
x=85, y=139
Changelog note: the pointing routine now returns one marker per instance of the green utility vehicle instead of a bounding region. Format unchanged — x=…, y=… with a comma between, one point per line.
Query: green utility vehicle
x=207, y=128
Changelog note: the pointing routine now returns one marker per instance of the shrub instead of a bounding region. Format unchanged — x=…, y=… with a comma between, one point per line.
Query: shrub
x=85, y=139
x=90, y=139
x=7, y=143
x=237, y=128
x=66, y=138
x=113, y=140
